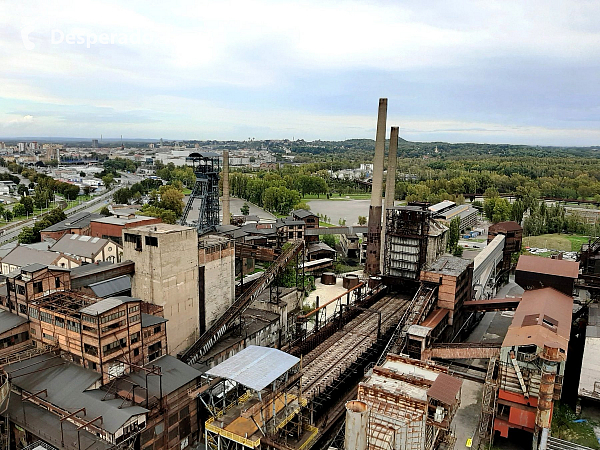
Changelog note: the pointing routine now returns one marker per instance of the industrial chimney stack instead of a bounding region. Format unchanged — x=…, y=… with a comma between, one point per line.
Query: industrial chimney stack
x=226, y=215
x=374, y=224
x=390, y=184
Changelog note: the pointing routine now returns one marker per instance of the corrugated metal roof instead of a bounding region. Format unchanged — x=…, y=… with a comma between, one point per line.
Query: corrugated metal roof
x=106, y=305
x=175, y=374
x=76, y=221
x=76, y=244
x=114, y=286
x=35, y=267
x=67, y=386
x=255, y=367
x=445, y=388
x=548, y=266
x=22, y=256
x=148, y=320
x=8, y=321
x=441, y=205
x=544, y=304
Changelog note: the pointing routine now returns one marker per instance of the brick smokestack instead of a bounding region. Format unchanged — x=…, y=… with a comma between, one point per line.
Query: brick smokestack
x=374, y=225
x=390, y=184
x=226, y=215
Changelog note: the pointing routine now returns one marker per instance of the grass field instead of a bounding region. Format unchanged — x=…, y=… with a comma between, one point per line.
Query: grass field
x=563, y=242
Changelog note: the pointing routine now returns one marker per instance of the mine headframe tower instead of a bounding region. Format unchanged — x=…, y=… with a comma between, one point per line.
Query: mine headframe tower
x=206, y=189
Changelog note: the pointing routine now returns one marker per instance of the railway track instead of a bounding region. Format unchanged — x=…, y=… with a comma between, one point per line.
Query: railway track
x=339, y=351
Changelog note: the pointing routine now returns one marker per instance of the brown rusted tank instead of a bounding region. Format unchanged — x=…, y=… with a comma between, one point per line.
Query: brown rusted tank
x=350, y=281
x=374, y=282
x=357, y=423
x=328, y=278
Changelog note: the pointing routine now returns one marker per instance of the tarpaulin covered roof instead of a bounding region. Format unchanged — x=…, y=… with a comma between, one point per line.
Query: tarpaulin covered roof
x=255, y=367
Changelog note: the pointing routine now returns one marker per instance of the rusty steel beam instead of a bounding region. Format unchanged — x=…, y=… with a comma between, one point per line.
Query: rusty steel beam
x=461, y=351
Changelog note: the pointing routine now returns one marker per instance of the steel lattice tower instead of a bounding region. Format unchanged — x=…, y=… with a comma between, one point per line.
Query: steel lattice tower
x=206, y=189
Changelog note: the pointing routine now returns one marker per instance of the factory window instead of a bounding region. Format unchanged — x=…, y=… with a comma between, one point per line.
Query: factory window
x=135, y=318
x=550, y=322
x=113, y=326
x=89, y=319
x=45, y=317
x=37, y=287
x=136, y=352
x=22, y=309
x=90, y=349
x=173, y=434
x=134, y=239
x=184, y=412
x=57, y=282
x=157, y=329
x=90, y=329
x=135, y=337
x=73, y=326
x=48, y=336
x=134, y=309
x=20, y=289
x=112, y=316
x=114, y=346
x=60, y=322
x=158, y=429
x=172, y=420
x=151, y=240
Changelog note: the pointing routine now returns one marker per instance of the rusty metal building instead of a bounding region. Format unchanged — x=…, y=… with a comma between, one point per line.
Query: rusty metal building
x=534, y=272
x=410, y=405
x=513, y=233
x=532, y=361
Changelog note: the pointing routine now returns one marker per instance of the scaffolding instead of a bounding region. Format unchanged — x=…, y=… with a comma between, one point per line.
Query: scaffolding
x=206, y=189
x=407, y=231
x=242, y=416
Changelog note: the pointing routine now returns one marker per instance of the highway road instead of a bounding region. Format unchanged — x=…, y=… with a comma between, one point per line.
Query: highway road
x=89, y=206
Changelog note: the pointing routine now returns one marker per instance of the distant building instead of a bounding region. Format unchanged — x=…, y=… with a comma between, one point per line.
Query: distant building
x=112, y=227
x=88, y=249
x=76, y=224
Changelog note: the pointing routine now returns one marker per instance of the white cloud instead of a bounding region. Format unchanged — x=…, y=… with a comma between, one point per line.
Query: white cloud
x=261, y=49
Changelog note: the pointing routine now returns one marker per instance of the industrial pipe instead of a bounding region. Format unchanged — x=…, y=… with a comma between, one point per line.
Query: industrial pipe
x=357, y=422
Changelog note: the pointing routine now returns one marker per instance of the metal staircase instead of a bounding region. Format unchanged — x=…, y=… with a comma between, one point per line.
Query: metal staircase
x=234, y=312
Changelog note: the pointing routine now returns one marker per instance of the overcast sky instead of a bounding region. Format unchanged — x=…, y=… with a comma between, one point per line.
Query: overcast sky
x=460, y=71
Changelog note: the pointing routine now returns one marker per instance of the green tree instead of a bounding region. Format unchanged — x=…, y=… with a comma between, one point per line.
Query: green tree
x=454, y=234
x=22, y=189
x=27, y=236
x=122, y=196
x=172, y=199
x=27, y=202
x=329, y=239
x=105, y=212
x=362, y=220
x=108, y=181
x=245, y=209
x=19, y=210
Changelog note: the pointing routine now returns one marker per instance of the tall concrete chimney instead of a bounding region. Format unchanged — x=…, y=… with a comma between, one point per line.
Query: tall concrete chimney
x=226, y=215
x=390, y=184
x=374, y=225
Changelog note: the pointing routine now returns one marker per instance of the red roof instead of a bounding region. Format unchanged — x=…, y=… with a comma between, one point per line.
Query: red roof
x=445, y=388
x=556, y=267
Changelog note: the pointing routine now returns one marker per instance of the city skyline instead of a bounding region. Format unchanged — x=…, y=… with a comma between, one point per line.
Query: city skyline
x=498, y=72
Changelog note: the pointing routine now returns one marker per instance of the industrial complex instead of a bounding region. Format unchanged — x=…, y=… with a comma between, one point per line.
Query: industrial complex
x=166, y=337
